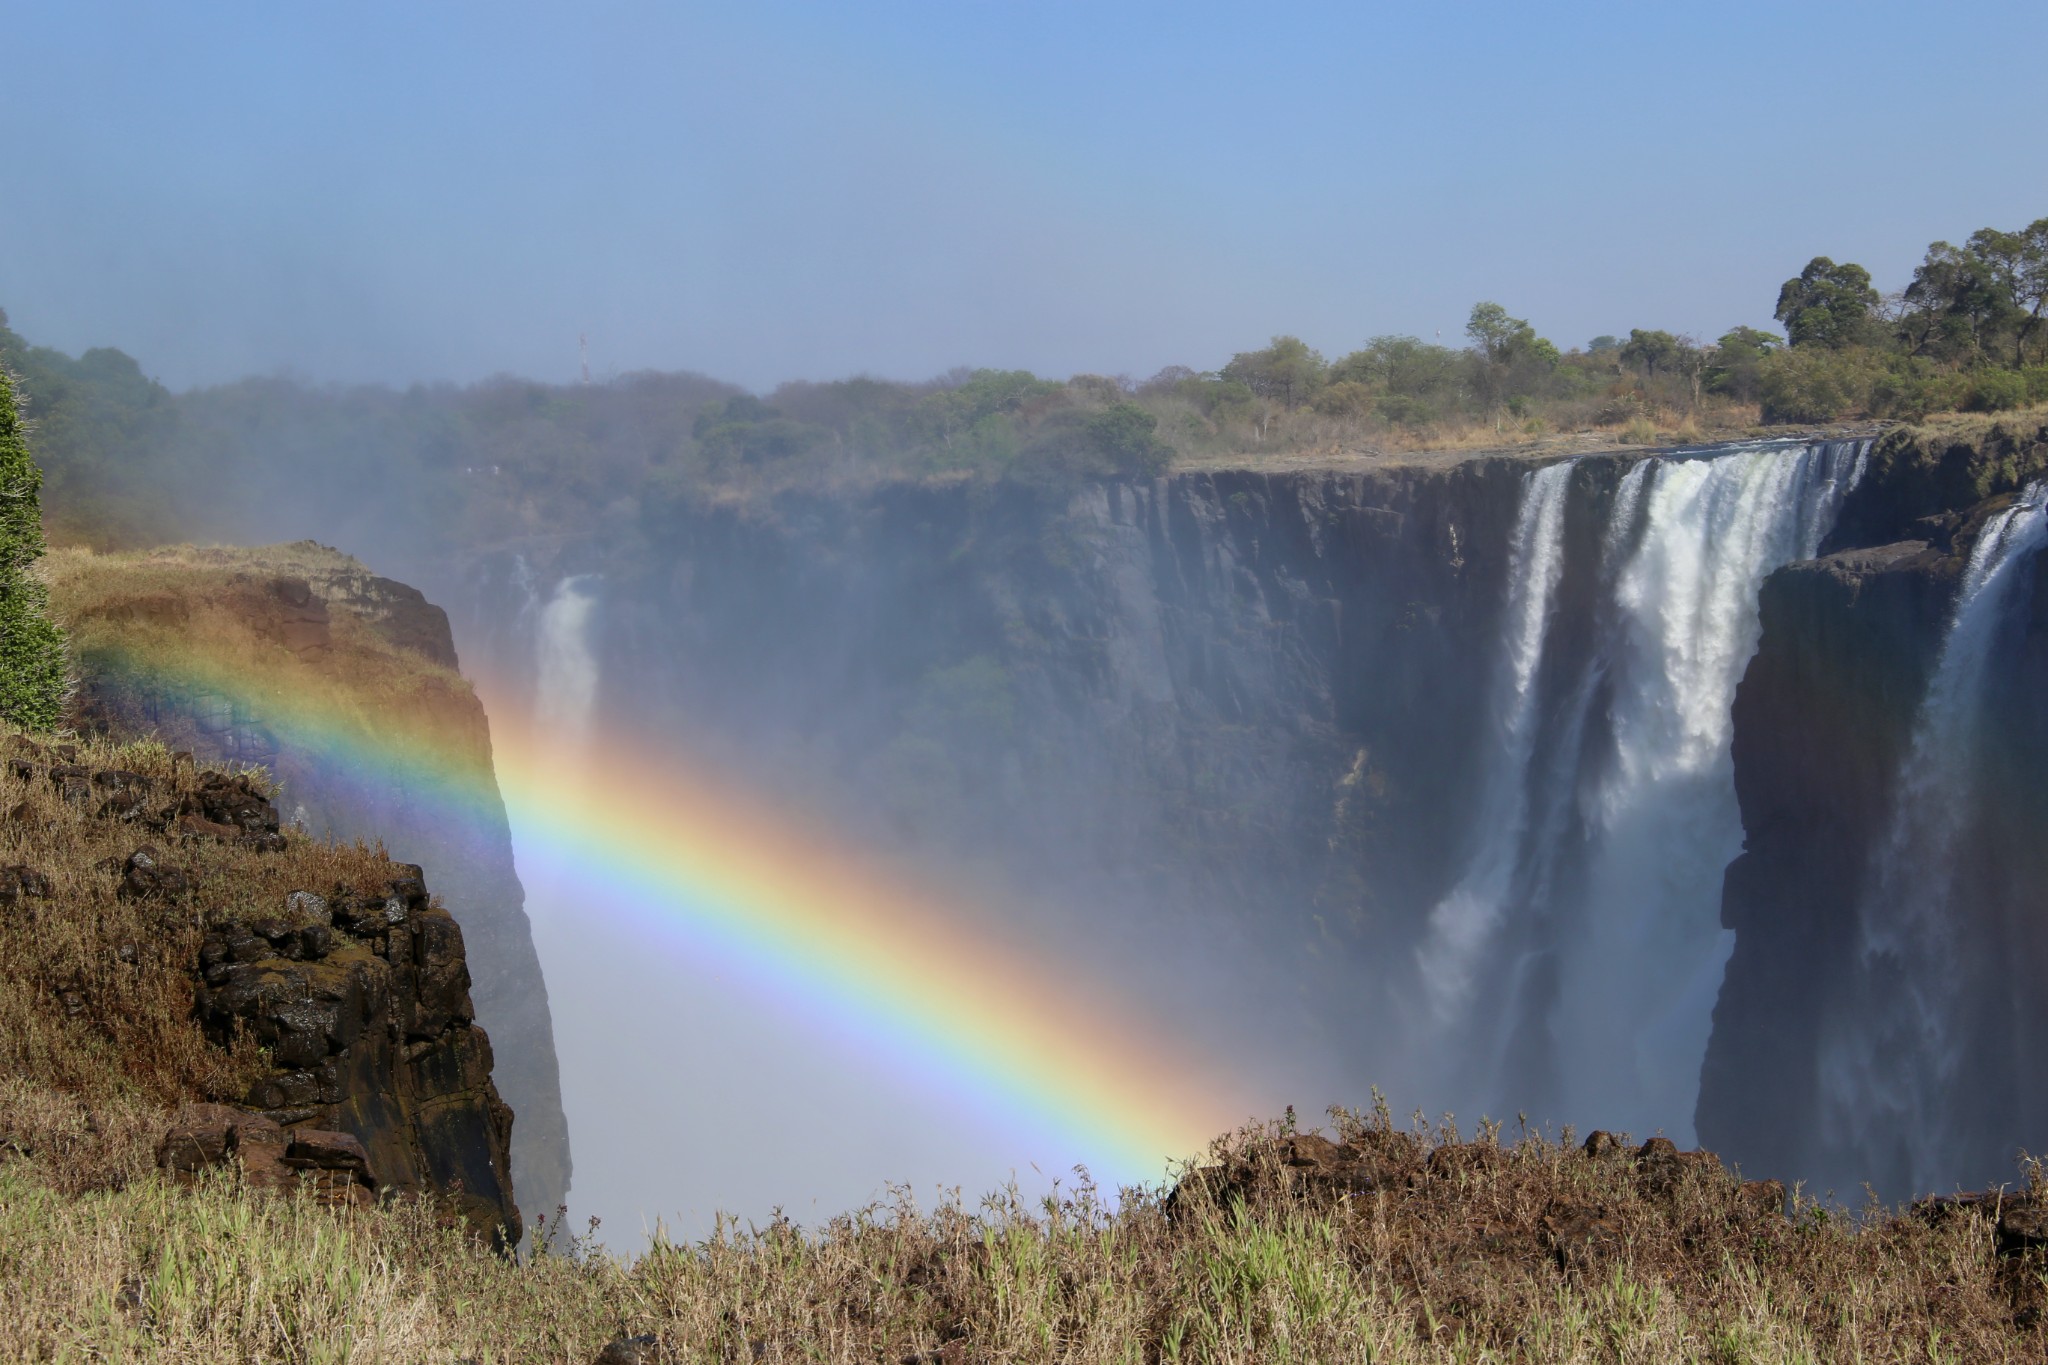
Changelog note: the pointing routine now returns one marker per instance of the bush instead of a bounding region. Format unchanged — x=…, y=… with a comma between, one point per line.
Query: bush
x=1126, y=436
x=1997, y=391
x=32, y=664
x=1815, y=384
x=1913, y=390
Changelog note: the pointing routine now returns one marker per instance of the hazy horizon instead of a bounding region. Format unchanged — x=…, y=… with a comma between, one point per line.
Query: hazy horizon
x=794, y=191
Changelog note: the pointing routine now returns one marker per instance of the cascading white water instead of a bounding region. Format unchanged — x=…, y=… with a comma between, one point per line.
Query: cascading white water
x=564, y=666
x=1464, y=923
x=1575, y=963
x=1641, y=953
x=1892, y=1059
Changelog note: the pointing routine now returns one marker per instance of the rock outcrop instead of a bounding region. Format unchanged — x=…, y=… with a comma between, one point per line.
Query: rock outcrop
x=360, y=999
x=199, y=963
x=1823, y=723
x=311, y=618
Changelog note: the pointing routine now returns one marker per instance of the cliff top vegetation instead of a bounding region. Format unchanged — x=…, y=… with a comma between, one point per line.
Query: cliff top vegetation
x=1397, y=1246
x=292, y=623
x=96, y=992
x=130, y=463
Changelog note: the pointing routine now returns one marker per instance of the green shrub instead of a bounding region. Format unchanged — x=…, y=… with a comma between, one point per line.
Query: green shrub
x=1911, y=390
x=32, y=663
x=1816, y=384
x=1997, y=391
x=1126, y=436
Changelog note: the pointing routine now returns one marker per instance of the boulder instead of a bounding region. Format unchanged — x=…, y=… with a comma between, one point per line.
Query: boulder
x=146, y=876
x=18, y=882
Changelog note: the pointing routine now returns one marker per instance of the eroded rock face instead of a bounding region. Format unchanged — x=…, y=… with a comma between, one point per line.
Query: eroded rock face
x=458, y=832
x=1824, y=720
x=361, y=998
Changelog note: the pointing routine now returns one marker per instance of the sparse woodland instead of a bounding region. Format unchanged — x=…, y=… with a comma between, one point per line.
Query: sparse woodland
x=131, y=463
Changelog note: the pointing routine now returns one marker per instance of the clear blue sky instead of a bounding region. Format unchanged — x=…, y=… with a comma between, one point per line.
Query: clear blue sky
x=765, y=190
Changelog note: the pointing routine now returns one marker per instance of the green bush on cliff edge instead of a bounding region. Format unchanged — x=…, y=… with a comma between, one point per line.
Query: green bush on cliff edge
x=32, y=666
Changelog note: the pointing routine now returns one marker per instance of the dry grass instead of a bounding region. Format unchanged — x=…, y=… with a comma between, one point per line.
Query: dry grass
x=96, y=991
x=172, y=609
x=1426, y=1248
x=1450, y=1252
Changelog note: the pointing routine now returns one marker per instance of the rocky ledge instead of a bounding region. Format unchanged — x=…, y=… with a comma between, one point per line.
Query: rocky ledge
x=369, y=1075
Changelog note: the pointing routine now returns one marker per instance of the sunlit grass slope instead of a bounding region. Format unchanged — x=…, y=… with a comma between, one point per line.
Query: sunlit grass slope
x=1462, y=1252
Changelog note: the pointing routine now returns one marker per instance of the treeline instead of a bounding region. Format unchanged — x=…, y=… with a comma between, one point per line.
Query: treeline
x=129, y=462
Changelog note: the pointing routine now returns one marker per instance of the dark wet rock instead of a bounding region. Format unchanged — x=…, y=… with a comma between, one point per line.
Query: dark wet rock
x=314, y=1149
x=73, y=783
x=191, y=826
x=126, y=794
x=2023, y=1226
x=235, y=803
x=204, y=1136
x=1600, y=1144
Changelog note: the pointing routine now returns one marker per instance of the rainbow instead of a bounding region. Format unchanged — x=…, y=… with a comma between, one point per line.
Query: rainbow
x=823, y=930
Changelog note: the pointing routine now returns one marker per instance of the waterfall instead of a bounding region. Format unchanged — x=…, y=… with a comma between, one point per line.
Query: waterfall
x=564, y=666
x=1464, y=923
x=1641, y=952
x=1574, y=965
x=1889, y=1066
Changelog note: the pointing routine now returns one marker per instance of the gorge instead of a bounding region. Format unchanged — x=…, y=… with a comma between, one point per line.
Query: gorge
x=1555, y=789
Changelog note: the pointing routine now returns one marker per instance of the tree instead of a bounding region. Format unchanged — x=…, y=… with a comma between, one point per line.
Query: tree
x=1127, y=437
x=1499, y=339
x=1651, y=352
x=32, y=663
x=1511, y=360
x=2016, y=266
x=1288, y=371
x=1828, y=305
x=1734, y=366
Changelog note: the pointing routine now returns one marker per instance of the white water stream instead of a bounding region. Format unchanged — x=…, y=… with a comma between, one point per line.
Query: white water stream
x=1573, y=968
x=1890, y=1068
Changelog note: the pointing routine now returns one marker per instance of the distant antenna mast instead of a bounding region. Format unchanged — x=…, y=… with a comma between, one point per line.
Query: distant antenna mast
x=583, y=352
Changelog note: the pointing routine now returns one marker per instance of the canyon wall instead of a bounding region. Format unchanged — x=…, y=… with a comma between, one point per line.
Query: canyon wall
x=1374, y=764
x=329, y=676
x=1881, y=1015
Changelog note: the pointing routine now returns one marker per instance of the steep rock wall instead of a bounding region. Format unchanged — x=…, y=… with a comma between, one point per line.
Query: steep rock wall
x=1824, y=719
x=1236, y=706
x=300, y=617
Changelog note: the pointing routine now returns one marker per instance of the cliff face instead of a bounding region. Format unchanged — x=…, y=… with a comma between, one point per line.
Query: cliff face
x=164, y=939
x=362, y=999
x=1866, y=1002
x=1236, y=708
x=333, y=675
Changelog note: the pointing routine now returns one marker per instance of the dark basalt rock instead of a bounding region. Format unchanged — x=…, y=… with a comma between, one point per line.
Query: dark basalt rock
x=638, y=1350
x=18, y=882
x=146, y=876
x=371, y=1035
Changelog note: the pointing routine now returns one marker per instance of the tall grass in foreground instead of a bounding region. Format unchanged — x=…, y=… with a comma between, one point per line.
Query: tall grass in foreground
x=1454, y=1254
